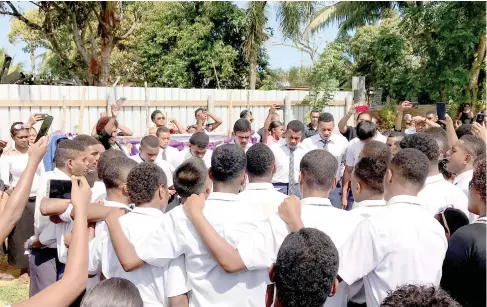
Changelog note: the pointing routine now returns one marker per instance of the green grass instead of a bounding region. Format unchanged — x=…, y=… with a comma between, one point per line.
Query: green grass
x=12, y=292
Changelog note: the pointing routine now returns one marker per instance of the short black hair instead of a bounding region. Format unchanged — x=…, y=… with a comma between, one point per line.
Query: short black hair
x=67, y=150
x=162, y=130
x=190, y=177
x=242, y=125
x=143, y=182
x=228, y=162
x=117, y=171
x=295, y=126
x=418, y=296
x=306, y=268
x=474, y=145
x=440, y=137
x=154, y=114
x=378, y=150
x=199, y=139
x=260, y=160
x=412, y=166
x=465, y=129
x=362, y=114
x=149, y=141
x=198, y=110
x=478, y=178
x=366, y=130
x=105, y=157
x=455, y=219
x=314, y=111
x=424, y=143
x=86, y=140
x=326, y=117
x=371, y=171
x=319, y=168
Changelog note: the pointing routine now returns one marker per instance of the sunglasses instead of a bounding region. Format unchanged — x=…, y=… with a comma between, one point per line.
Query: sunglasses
x=159, y=118
x=21, y=126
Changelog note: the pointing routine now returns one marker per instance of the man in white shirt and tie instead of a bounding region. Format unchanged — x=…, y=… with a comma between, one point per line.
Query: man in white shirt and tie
x=242, y=134
x=167, y=152
x=198, y=148
x=336, y=144
x=259, y=193
x=288, y=155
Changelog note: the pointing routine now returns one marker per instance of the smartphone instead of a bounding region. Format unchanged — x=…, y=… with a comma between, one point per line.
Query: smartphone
x=480, y=118
x=43, y=116
x=361, y=109
x=46, y=125
x=282, y=107
x=120, y=102
x=59, y=188
x=441, y=110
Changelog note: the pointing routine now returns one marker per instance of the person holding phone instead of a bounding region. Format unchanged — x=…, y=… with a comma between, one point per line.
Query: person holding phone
x=273, y=130
x=124, y=131
x=201, y=115
x=348, y=131
x=11, y=168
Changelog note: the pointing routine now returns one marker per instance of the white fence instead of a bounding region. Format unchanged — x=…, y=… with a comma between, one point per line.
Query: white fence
x=79, y=107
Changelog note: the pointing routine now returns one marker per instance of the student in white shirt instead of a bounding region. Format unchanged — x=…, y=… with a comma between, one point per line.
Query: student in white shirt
x=242, y=134
x=167, y=152
x=210, y=284
x=288, y=156
x=98, y=192
x=94, y=150
x=198, y=147
x=259, y=249
x=259, y=193
x=147, y=189
x=366, y=131
x=333, y=142
x=149, y=150
x=247, y=115
x=393, y=141
x=402, y=244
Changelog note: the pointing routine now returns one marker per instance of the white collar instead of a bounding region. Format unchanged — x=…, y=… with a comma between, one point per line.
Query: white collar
x=434, y=179
x=60, y=174
x=369, y=203
x=315, y=201
x=148, y=211
x=463, y=176
x=259, y=186
x=318, y=139
x=230, y=197
x=116, y=204
x=284, y=144
x=404, y=199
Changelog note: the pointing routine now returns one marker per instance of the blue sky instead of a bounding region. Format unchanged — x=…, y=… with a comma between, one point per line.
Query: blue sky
x=279, y=56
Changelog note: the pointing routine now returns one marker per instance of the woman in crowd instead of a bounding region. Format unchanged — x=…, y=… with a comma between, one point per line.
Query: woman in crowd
x=12, y=166
x=273, y=130
x=465, y=114
x=124, y=131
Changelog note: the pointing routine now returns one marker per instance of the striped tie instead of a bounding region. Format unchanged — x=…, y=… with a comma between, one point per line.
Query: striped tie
x=292, y=182
x=325, y=144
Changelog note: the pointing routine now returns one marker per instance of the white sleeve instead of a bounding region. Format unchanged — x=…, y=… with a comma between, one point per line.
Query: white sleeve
x=350, y=160
x=94, y=256
x=48, y=235
x=176, y=281
x=66, y=215
x=5, y=170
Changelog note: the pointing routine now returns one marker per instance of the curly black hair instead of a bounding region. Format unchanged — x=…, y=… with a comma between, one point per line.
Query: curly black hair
x=412, y=166
x=478, y=178
x=116, y=171
x=190, y=177
x=305, y=268
x=319, y=169
x=228, y=162
x=260, y=160
x=378, y=150
x=143, y=182
x=105, y=157
x=424, y=143
x=371, y=171
x=418, y=296
x=295, y=126
x=366, y=130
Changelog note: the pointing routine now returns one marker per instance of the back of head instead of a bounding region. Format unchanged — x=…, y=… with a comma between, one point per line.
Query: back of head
x=474, y=145
x=465, y=129
x=326, y=117
x=478, y=179
x=116, y=171
x=149, y=141
x=105, y=157
x=86, y=140
x=113, y=292
x=260, y=161
x=305, y=268
x=366, y=130
x=452, y=219
x=162, y=130
x=295, y=126
x=370, y=171
x=410, y=167
x=378, y=150
x=424, y=143
x=418, y=296
x=228, y=162
x=242, y=125
x=440, y=137
x=190, y=177
x=67, y=150
x=143, y=182
x=319, y=168
x=200, y=139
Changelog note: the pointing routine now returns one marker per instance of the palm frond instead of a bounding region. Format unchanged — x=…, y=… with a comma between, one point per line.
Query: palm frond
x=256, y=34
x=292, y=15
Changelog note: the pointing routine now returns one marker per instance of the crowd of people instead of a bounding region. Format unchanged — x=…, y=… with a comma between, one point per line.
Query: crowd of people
x=297, y=215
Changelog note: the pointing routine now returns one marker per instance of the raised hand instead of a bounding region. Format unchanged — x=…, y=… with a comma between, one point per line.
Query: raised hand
x=405, y=105
x=352, y=109
x=114, y=110
x=290, y=212
x=39, y=149
x=80, y=192
x=194, y=205
x=34, y=118
x=479, y=130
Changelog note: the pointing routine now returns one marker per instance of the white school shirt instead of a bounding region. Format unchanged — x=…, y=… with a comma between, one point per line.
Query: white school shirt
x=337, y=146
x=164, y=165
x=462, y=181
x=14, y=165
x=368, y=208
x=246, y=147
x=281, y=155
x=210, y=284
x=98, y=191
x=186, y=155
x=438, y=193
x=355, y=146
x=172, y=157
x=262, y=197
x=403, y=244
x=150, y=280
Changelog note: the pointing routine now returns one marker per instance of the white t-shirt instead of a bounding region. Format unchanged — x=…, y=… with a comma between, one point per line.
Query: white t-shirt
x=462, y=181
x=438, y=193
x=12, y=167
x=355, y=147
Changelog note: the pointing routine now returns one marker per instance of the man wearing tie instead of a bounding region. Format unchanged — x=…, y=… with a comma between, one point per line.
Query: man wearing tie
x=334, y=143
x=288, y=155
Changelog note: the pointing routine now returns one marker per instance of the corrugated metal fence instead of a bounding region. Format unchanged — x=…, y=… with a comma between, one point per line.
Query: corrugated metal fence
x=73, y=106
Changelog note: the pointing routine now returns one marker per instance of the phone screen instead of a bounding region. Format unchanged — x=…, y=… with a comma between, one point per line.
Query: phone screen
x=59, y=188
x=361, y=109
x=46, y=125
x=120, y=102
x=480, y=118
x=441, y=110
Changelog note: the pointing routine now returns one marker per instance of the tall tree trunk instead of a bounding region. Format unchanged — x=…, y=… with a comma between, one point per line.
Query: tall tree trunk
x=105, y=63
x=253, y=73
x=33, y=60
x=475, y=70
